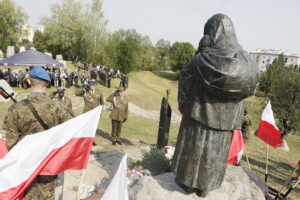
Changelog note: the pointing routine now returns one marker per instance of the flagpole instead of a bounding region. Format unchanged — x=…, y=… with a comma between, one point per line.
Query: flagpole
x=291, y=188
x=81, y=182
x=63, y=182
x=247, y=157
x=287, y=180
x=267, y=162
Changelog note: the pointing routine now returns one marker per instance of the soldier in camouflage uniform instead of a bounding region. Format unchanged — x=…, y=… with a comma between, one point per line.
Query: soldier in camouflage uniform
x=61, y=97
x=20, y=121
x=246, y=124
x=92, y=96
x=119, y=113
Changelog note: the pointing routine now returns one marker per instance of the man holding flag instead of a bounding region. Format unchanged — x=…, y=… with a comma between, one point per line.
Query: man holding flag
x=33, y=115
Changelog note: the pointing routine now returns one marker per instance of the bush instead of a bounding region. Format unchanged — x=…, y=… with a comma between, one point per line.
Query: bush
x=155, y=161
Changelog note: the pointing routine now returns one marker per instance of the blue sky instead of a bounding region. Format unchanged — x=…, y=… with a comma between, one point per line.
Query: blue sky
x=258, y=23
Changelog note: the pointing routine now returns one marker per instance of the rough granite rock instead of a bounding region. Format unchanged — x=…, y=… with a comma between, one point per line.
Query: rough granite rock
x=239, y=184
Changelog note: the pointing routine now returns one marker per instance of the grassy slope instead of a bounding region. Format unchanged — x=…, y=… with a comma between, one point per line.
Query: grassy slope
x=146, y=90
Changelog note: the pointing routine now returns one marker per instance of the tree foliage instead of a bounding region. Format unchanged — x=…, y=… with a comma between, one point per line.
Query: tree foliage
x=128, y=50
x=285, y=97
x=282, y=85
x=163, y=54
x=39, y=41
x=12, y=19
x=75, y=29
x=180, y=54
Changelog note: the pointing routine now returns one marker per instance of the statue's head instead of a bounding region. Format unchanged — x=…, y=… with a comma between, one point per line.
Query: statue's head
x=219, y=28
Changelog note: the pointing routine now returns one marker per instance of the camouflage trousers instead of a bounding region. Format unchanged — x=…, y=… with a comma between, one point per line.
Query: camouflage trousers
x=42, y=188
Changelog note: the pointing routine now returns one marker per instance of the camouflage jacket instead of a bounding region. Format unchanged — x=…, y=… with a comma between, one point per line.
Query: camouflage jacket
x=20, y=121
x=91, y=100
x=246, y=124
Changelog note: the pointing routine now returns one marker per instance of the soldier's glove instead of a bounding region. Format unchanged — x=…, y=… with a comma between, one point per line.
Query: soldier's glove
x=55, y=92
x=125, y=120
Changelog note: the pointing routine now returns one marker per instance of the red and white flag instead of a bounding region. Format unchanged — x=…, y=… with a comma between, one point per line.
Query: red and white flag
x=236, y=148
x=267, y=130
x=117, y=189
x=63, y=147
x=3, y=148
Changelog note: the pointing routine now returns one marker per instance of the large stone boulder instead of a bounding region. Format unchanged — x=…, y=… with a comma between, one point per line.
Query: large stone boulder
x=48, y=54
x=22, y=49
x=1, y=55
x=10, y=51
x=239, y=184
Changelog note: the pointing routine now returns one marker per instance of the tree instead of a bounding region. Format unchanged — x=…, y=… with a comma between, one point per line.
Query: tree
x=75, y=29
x=180, y=54
x=129, y=50
x=267, y=78
x=63, y=29
x=147, y=59
x=163, y=54
x=284, y=94
x=282, y=85
x=39, y=41
x=96, y=35
x=12, y=19
x=25, y=43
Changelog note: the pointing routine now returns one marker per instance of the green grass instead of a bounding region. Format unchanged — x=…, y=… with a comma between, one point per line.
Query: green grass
x=146, y=90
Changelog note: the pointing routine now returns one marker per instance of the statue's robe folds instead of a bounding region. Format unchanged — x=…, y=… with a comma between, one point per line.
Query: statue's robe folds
x=212, y=89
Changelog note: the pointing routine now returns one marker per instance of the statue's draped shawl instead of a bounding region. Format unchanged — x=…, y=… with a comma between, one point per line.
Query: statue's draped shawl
x=217, y=79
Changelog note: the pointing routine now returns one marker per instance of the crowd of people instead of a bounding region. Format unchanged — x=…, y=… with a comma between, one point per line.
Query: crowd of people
x=66, y=78
x=15, y=78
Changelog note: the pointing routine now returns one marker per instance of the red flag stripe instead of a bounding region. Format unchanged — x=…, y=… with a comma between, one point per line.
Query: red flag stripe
x=236, y=147
x=269, y=134
x=3, y=148
x=73, y=155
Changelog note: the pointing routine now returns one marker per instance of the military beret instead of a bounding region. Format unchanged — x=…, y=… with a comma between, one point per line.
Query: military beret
x=38, y=72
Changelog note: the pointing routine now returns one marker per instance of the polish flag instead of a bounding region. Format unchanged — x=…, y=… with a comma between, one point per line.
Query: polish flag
x=267, y=130
x=117, y=189
x=3, y=148
x=63, y=147
x=236, y=148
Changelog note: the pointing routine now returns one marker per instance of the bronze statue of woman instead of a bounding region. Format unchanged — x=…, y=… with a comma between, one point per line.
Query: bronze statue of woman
x=212, y=89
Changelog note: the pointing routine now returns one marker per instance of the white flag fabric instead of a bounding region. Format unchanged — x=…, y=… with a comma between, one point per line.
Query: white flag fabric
x=117, y=189
x=63, y=147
